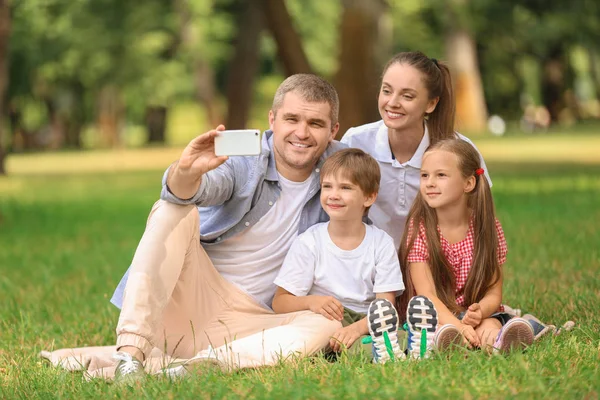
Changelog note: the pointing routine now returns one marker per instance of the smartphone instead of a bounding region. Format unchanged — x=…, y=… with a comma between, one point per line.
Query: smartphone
x=242, y=142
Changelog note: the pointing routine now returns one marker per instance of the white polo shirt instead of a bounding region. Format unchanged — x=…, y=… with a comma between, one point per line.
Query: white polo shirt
x=399, y=181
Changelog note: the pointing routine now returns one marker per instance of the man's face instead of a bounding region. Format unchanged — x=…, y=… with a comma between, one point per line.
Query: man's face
x=302, y=131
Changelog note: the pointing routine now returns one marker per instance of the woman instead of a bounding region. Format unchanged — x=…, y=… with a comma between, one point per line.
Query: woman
x=416, y=104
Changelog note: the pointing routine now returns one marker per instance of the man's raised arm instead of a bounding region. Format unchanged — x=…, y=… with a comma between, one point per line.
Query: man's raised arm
x=185, y=175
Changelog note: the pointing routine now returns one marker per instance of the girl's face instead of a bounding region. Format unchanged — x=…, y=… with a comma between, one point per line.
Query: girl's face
x=442, y=184
x=403, y=98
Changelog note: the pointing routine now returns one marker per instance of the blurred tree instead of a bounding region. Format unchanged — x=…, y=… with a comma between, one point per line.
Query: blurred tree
x=505, y=34
x=289, y=44
x=156, y=123
x=321, y=46
x=244, y=64
x=193, y=17
x=546, y=38
x=447, y=30
x=359, y=63
x=252, y=17
x=100, y=67
x=549, y=30
x=461, y=52
x=500, y=55
x=104, y=60
x=4, y=40
x=595, y=70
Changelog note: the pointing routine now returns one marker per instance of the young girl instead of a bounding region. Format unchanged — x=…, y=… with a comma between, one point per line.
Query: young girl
x=416, y=104
x=451, y=256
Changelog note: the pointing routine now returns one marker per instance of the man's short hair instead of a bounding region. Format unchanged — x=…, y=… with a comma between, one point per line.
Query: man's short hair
x=311, y=88
x=355, y=165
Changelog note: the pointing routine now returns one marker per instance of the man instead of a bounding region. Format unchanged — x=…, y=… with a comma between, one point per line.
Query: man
x=202, y=275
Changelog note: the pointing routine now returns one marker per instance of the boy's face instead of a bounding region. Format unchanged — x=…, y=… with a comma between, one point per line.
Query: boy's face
x=343, y=200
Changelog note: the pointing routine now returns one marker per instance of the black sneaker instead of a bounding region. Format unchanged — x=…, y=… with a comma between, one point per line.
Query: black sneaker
x=421, y=317
x=383, y=327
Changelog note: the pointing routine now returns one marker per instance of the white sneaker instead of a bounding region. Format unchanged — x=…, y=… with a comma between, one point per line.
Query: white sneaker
x=204, y=359
x=421, y=318
x=129, y=369
x=383, y=327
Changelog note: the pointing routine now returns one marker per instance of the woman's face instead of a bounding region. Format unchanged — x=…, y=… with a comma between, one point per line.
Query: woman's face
x=403, y=98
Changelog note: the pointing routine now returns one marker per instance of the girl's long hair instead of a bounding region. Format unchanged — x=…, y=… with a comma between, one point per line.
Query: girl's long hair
x=485, y=270
x=438, y=82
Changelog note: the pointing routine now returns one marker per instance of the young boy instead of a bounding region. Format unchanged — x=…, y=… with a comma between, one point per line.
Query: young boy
x=338, y=268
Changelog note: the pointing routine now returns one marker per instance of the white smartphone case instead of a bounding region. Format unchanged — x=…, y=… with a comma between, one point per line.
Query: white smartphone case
x=243, y=142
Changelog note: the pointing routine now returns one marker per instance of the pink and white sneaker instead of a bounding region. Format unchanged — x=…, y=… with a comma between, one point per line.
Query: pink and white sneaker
x=516, y=335
x=447, y=337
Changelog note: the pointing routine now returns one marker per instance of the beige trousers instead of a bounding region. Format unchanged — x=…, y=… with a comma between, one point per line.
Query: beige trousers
x=176, y=301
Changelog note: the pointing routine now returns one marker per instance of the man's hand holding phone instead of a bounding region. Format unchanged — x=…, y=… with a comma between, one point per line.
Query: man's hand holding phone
x=205, y=153
x=199, y=155
x=197, y=158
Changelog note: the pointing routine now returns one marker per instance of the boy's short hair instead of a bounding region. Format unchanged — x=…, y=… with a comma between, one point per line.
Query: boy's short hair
x=357, y=166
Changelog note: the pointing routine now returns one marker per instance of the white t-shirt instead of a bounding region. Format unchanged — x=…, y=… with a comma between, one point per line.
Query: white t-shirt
x=399, y=181
x=252, y=259
x=316, y=266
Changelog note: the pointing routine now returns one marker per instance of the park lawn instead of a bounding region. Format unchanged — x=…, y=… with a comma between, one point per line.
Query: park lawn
x=66, y=239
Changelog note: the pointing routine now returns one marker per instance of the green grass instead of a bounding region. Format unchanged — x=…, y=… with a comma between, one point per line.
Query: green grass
x=66, y=239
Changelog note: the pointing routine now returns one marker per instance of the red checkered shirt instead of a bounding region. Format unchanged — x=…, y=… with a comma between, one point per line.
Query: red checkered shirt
x=459, y=255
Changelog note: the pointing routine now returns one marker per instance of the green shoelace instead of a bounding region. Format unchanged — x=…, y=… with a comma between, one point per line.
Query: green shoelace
x=388, y=343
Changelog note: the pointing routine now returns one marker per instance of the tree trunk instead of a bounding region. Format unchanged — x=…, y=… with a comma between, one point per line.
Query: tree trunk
x=109, y=116
x=156, y=123
x=204, y=77
x=289, y=44
x=77, y=117
x=357, y=79
x=595, y=71
x=21, y=138
x=471, y=110
x=553, y=83
x=4, y=40
x=243, y=66
x=56, y=134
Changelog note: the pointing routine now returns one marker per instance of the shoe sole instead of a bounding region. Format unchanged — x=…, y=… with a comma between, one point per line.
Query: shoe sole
x=448, y=339
x=516, y=335
x=383, y=318
x=421, y=315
